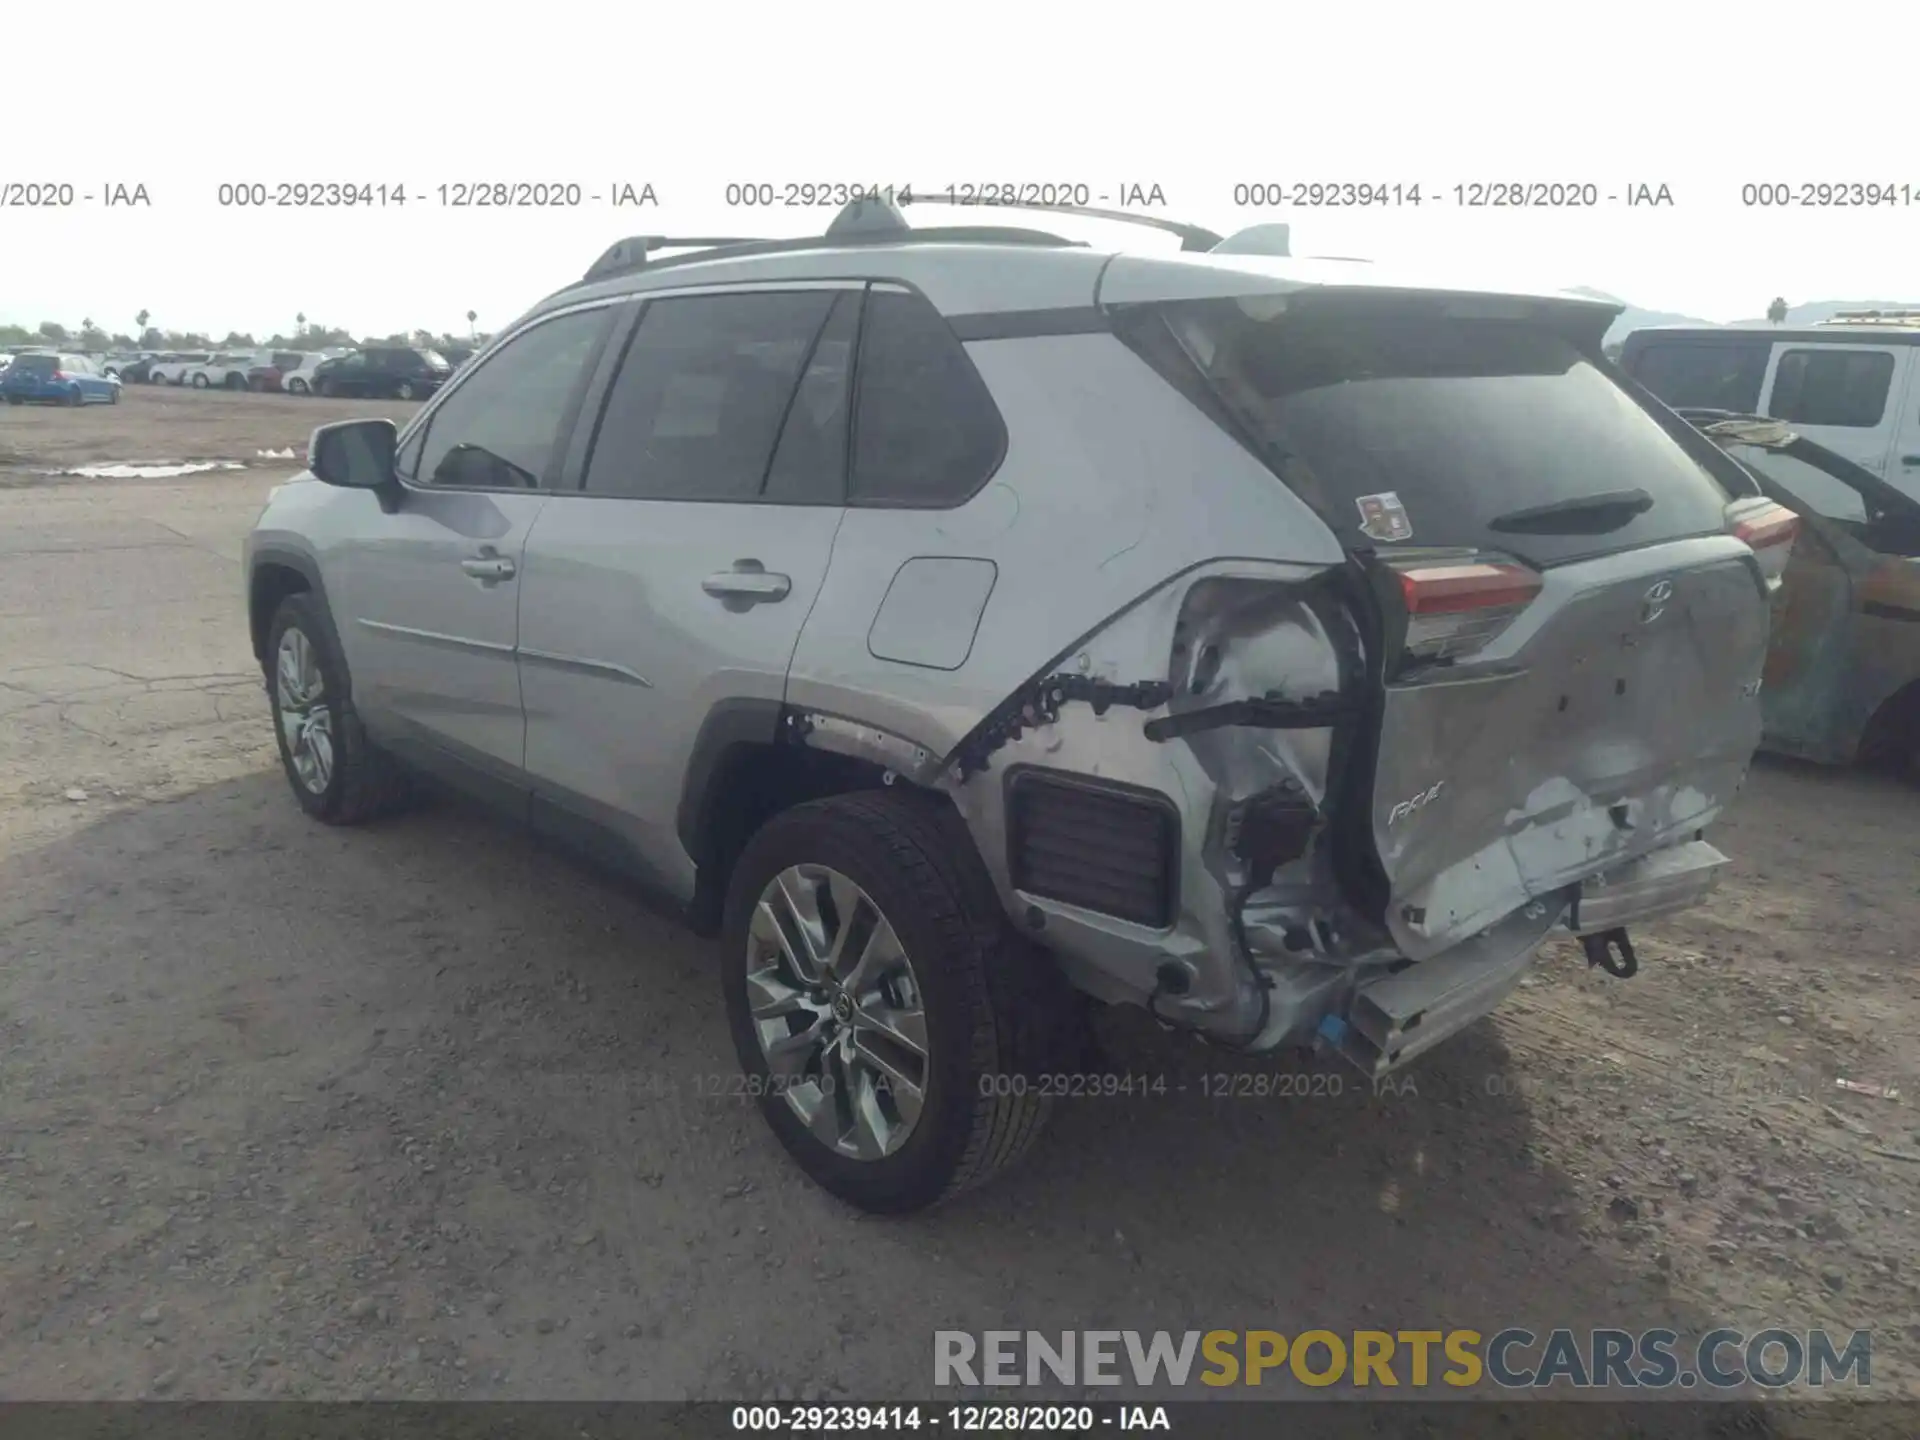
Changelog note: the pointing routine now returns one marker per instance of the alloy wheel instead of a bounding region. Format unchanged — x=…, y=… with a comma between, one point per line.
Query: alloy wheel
x=306, y=717
x=838, y=1012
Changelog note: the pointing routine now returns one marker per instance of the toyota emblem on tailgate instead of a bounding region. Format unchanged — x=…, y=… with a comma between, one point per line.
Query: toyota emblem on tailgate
x=1653, y=604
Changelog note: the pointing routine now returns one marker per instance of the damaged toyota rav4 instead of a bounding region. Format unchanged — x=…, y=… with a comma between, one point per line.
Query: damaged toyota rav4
x=966, y=622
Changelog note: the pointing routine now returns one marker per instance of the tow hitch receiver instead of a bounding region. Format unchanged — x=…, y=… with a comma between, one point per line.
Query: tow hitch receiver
x=1612, y=951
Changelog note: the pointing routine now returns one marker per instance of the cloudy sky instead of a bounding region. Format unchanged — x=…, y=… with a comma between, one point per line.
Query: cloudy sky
x=183, y=99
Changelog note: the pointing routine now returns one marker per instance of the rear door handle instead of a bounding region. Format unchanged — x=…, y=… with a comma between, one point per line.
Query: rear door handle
x=748, y=583
x=489, y=566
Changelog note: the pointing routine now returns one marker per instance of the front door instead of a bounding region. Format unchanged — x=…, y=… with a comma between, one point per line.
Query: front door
x=432, y=591
x=681, y=572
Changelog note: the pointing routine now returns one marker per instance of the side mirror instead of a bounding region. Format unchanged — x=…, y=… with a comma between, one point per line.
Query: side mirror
x=356, y=455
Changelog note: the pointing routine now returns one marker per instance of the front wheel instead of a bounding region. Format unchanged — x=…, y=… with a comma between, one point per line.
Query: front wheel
x=74, y=397
x=296, y=387
x=200, y=382
x=404, y=390
x=889, y=1022
x=327, y=389
x=338, y=775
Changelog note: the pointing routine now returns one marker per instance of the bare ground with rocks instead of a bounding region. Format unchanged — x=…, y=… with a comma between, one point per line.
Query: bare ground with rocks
x=425, y=1110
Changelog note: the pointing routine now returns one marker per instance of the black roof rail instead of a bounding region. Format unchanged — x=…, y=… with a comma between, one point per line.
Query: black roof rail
x=1192, y=237
x=634, y=254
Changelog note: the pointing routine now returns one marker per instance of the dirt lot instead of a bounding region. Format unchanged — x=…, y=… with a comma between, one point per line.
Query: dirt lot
x=425, y=1110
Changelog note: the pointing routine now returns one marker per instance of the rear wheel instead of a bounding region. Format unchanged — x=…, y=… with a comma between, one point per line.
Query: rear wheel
x=327, y=389
x=296, y=387
x=889, y=1021
x=236, y=382
x=74, y=397
x=338, y=775
x=404, y=390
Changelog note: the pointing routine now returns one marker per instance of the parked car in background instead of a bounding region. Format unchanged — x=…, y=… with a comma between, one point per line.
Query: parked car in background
x=132, y=369
x=172, y=368
x=64, y=379
x=1842, y=683
x=1851, y=383
x=1445, y=643
x=271, y=367
x=384, y=372
x=299, y=379
x=226, y=370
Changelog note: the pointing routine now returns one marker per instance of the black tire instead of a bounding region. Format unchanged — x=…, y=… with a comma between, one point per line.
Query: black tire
x=296, y=387
x=325, y=389
x=236, y=382
x=404, y=390
x=366, y=782
x=74, y=397
x=993, y=1003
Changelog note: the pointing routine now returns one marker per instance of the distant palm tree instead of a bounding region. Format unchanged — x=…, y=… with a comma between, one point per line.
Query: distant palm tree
x=141, y=319
x=472, y=315
x=300, y=322
x=1777, y=311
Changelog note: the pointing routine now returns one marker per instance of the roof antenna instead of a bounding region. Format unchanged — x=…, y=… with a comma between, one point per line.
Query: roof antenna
x=869, y=215
x=1258, y=240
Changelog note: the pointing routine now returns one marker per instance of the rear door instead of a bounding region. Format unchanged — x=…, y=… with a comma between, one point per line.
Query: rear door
x=1849, y=398
x=680, y=573
x=1903, y=469
x=1569, y=640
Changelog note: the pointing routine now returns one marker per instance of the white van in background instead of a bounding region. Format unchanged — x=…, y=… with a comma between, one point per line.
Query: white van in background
x=1851, y=383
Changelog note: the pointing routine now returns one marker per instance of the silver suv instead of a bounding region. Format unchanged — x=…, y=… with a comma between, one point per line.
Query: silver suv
x=966, y=623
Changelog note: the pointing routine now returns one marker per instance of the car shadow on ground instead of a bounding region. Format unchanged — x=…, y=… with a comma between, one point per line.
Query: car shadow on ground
x=427, y=1109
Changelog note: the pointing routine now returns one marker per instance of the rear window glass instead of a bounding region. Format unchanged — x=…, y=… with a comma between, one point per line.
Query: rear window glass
x=1428, y=431
x=1832, y=387
x=35, y=365
x=1691, y=375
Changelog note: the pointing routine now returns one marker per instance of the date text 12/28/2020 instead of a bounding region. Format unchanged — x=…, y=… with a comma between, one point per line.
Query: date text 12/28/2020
x=447, y=195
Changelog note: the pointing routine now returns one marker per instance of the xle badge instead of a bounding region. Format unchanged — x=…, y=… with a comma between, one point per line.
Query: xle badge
x=1383, y=517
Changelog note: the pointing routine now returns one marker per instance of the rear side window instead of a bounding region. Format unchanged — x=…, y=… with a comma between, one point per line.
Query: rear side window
x=1691, y=375
x=287, y=360
x=703, y=395
x=1403, y=427
x=1829, y=386
x=926, y=432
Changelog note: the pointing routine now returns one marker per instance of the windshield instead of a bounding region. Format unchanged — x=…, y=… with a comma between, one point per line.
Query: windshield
x=1402, y=426
x=436, y=359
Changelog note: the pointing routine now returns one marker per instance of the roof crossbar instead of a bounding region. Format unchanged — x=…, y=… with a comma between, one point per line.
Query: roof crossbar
x=633, y=252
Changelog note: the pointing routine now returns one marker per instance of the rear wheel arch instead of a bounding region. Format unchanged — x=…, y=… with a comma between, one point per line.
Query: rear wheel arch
x=745, y=769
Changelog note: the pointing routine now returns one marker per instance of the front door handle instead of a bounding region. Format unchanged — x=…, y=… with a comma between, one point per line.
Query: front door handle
x=748, y=583
x=489, y=566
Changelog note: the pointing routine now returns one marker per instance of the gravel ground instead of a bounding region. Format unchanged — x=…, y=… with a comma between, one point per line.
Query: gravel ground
x=425, y=1110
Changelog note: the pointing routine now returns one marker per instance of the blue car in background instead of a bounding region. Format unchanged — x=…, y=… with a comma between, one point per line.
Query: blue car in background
x=62, y=379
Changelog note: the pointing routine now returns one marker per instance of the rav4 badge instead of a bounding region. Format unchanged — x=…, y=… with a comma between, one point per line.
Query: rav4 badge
x=1417, y=803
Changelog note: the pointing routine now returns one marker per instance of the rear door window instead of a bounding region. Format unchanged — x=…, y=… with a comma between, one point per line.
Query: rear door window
x=1827, y=385
x=1702, y=375
x=1403, y=426
x=703, y=394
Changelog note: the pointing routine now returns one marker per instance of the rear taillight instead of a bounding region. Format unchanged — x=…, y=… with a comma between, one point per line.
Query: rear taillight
x=1769, y=531
x=1456, y=604
x=59, y=375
